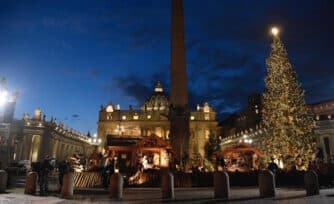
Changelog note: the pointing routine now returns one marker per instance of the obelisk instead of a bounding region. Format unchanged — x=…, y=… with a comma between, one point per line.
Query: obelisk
x=178, y=112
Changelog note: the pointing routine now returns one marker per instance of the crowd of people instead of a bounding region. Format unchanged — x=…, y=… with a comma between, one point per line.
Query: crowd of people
x=109, y=164
x=49, y=165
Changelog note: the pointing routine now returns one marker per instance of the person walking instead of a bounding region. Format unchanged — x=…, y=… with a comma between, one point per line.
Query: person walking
x=45, y=169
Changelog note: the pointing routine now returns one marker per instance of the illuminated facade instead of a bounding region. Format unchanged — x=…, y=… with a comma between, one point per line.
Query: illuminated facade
x=324, y=117
x=36, y=137
x=126, y=127
x=246, y=127
x=7, y=125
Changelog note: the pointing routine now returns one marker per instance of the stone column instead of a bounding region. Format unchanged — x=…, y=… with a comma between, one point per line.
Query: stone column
x=221, y=183
x=67, y=187
x=19, y=151
x=26, y=146
x=311, y=183
x=31, y=182
x=116, y=186
x=266, y=184
x=3, y=181
x=167, y=185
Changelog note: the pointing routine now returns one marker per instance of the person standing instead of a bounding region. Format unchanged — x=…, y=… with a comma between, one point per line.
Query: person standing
x=110, y=170
x=273, y=166
x=45, y=169
x=64, y=167
x=145, y=162
x=105, y=181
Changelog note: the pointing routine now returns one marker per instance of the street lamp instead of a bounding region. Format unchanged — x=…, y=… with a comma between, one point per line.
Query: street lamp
x=3, y=97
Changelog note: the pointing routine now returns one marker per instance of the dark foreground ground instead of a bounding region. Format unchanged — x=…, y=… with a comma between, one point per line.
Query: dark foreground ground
x=182, y=195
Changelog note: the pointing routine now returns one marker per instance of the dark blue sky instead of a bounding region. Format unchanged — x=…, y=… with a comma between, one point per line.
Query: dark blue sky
x=69, y=57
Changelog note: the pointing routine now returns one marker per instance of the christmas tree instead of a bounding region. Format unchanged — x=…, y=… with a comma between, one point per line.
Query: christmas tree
x=286, y=118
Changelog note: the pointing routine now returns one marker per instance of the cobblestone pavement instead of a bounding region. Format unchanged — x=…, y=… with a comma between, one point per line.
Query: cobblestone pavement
x=182, y=195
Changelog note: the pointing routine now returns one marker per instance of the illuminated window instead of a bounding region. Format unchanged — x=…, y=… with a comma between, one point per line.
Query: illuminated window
x=257, y=111
x=109, y=117
x=192, y=117
x=329, y=117
x=149, y=116
x=207, y=134
x=158, y=131
x=124, y=117
x=135, y=117
x=317, y=117
x=206, y=117
x=108, y=131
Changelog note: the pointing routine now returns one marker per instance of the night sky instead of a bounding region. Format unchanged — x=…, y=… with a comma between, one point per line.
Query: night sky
x=69, y=57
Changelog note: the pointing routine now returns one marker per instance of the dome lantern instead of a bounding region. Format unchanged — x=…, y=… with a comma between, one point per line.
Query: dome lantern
x=158, y=88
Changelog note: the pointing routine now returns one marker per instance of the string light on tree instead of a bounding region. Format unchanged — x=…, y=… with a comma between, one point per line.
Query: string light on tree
x=286, y=118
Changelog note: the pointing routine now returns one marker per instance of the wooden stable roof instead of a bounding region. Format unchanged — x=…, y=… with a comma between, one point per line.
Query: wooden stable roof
x=242, y=147
x=153, y=141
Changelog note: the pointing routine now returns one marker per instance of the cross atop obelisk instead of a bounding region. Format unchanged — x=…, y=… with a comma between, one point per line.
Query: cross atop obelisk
x=179, y=113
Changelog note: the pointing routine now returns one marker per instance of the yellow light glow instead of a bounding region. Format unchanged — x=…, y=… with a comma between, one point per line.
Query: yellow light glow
x=110, y=109
x=275, y=31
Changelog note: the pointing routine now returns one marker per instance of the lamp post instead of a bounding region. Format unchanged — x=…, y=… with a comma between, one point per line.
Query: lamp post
x=7, y=108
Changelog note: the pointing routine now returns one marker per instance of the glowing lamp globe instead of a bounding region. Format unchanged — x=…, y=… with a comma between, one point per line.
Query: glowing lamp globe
x=3, y=97
x=275, y=31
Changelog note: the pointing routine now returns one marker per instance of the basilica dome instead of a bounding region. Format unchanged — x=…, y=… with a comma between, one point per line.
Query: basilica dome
x=158, y=101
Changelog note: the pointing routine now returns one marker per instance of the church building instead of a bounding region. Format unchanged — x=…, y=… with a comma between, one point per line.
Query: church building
x=122, y=130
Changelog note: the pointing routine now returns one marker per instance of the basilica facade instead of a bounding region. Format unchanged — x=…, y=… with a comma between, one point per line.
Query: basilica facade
x=120, y=128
